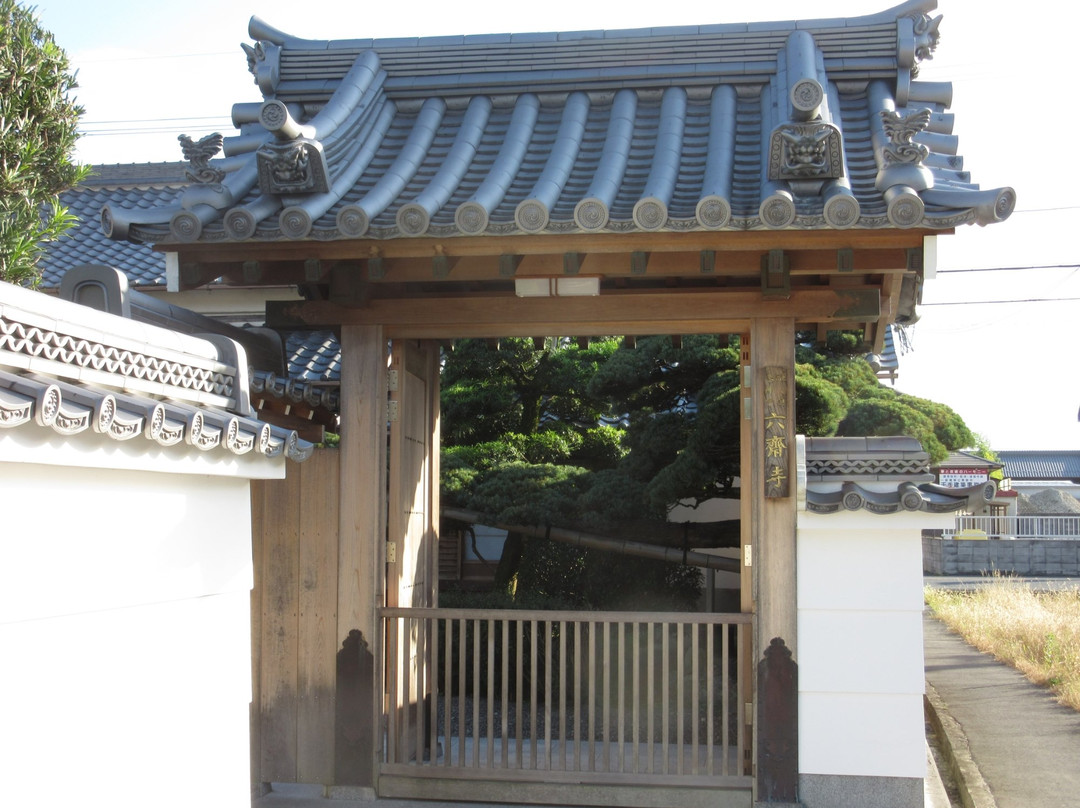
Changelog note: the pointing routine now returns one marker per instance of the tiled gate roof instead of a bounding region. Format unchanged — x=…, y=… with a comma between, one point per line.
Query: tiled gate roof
x=809, y=125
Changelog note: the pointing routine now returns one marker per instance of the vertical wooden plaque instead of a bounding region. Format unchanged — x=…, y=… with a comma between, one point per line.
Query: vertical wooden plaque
x=777, y=433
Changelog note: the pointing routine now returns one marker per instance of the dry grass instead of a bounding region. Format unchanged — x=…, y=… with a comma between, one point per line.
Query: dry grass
x=1038, y=633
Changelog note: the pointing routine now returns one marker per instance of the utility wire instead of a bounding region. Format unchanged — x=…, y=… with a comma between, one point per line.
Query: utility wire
x=996, y=302
x=1009, y=269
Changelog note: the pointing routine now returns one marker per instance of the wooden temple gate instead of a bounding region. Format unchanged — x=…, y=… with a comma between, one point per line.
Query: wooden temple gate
x=755, y=180
x=335, y=559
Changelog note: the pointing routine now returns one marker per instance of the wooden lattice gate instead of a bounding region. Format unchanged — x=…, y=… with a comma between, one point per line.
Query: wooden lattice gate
x=600, y=708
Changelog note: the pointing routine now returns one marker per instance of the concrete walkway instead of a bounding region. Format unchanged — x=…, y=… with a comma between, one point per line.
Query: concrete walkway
x=1023, y=748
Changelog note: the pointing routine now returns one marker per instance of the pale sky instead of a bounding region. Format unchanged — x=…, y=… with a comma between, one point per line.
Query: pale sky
x=1011, y=370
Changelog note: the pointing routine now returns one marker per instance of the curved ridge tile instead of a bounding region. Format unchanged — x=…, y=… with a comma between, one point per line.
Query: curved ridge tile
x=777, y=207
x=354, y=220
x=532, y=214
x=651, y=211
x=841, y=209
x=593, y=212
x=473, y=215
x=297, y=220
x=714, y=208
x=413, y=218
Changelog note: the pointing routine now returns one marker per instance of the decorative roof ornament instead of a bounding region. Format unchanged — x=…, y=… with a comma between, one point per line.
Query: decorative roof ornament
x=294, y=162
x=800, y=151
x=293, y=167
x=900, y=130
x=264, y=63
x=199, y=154
x=927, y=36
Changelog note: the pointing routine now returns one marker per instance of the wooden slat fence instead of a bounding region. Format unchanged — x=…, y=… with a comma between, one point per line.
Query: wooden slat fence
x=604, y=697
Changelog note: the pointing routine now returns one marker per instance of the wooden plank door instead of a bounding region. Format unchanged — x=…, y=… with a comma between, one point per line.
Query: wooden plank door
x=412, y=525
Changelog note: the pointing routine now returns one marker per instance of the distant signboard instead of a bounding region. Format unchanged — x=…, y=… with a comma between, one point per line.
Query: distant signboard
x=963, y=478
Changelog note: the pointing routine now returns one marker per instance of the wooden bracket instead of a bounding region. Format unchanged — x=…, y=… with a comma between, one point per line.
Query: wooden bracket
x=347, y=286
x=313, y=270
x=639, y=261
x=376, y=268
x=572, y=263
x=190, y=275
x=776, y=274
x=441, y=266
x=708, y=262
x=845, y=260
x=508, y=265
x=252, y=273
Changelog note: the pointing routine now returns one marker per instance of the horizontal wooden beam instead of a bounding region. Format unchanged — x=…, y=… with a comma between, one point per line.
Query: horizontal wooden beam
x=494, y=268
x=633, y=312
x=618, y=243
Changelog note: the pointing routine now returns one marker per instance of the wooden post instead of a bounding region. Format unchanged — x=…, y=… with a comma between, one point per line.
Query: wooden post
x=747, y=590
x=361, y=539
x=773, y=514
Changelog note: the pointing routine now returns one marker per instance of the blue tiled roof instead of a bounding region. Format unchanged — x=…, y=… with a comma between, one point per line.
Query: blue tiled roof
x=138, y=187
x=313, y=356
x=1041, y=465
x=812, y=125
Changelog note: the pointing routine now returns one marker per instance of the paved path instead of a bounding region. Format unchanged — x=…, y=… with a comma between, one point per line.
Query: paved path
x=1026, y=745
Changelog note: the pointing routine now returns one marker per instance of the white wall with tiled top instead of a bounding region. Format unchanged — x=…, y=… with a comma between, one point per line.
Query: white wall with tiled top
x=861, y=680
x=125, y=629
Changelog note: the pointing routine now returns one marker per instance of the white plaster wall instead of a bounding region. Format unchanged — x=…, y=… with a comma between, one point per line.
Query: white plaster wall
x=125, y=629
x=861, y=680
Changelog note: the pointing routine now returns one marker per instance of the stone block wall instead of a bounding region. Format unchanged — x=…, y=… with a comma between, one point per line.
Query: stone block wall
x=1008, y=556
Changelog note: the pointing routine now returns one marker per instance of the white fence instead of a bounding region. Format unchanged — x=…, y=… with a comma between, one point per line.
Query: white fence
x=1015, y=527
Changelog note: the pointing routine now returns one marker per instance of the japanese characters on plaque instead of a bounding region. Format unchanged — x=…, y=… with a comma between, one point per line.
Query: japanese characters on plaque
x=777, y=433
x=963, y=478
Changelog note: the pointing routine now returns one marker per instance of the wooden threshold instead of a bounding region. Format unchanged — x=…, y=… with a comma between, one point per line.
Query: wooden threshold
x=736, y=792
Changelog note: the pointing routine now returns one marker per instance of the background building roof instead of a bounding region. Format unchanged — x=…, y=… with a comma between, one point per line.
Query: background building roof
x=1041, y=465
x=136, y=186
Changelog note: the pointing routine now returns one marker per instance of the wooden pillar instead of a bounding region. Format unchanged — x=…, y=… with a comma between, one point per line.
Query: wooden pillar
x=361, y=542
x=772, y=524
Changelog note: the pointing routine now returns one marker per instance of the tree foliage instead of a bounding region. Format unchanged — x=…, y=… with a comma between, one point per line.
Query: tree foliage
x=38, y=122
x=588, y=438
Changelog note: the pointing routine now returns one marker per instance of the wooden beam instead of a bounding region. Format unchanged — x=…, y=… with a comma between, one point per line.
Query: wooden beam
x=630, y=312
x=281, y=270
x=425, y=247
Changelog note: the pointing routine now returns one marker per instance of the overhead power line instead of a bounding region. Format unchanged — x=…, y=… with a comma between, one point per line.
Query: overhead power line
x=997, y=302
x=1009, y=269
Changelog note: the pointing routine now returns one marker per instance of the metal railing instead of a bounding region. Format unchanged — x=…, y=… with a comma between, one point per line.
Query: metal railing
x=1016, y=527
x=566, y=696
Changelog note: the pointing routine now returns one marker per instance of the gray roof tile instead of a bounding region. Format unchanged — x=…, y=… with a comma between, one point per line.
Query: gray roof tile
x=143, y=186
x=1041, y=465
x=865, y=74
